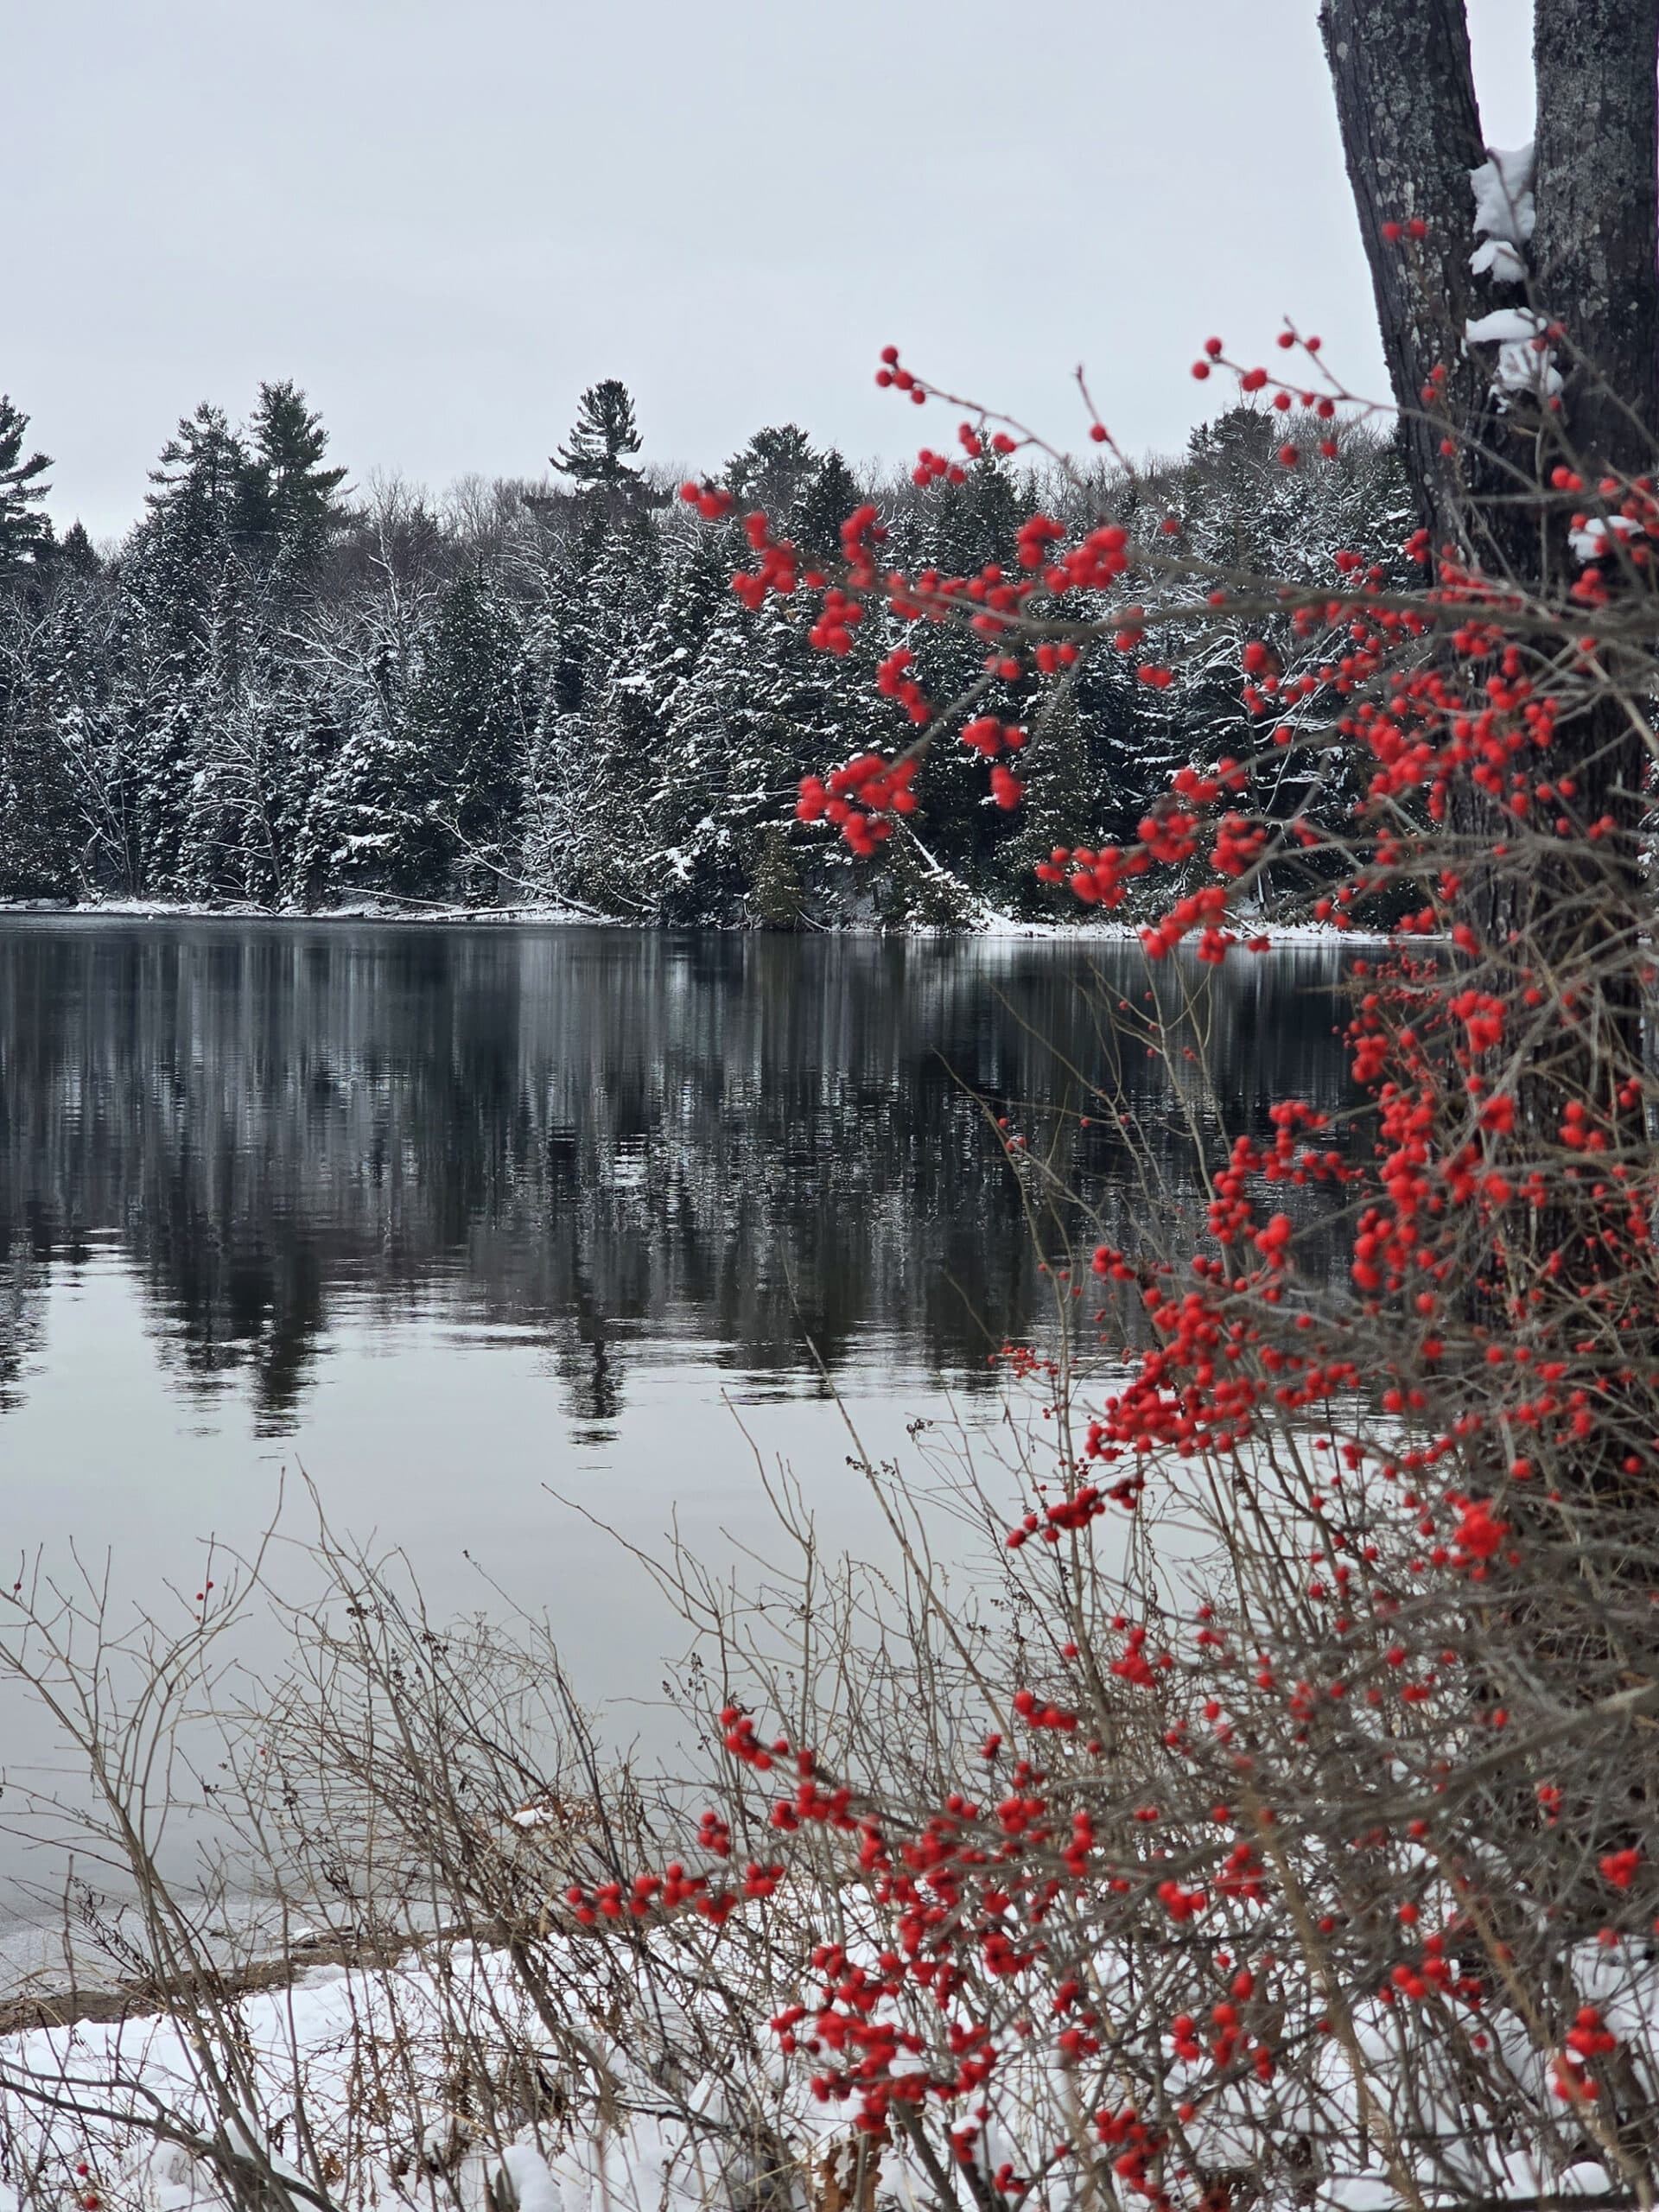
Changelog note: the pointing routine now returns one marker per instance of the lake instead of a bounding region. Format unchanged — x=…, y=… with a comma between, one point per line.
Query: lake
x=465, y=1221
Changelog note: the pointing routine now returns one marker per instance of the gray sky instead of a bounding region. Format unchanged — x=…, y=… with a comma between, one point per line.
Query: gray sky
x=446, y=217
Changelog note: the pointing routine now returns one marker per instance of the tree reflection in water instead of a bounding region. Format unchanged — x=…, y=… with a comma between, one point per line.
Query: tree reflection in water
x=616, y=1139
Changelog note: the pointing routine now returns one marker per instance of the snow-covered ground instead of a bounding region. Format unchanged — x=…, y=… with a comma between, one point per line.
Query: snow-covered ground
x=404, y=2084
x=987, y=922
x=408, y=2087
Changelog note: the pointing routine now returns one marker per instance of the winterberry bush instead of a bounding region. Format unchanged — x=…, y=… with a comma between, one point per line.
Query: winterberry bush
x=1308, y=1855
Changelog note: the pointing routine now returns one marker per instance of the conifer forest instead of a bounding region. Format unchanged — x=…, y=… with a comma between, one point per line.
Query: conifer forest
x=936, y=1489
x=284, y=691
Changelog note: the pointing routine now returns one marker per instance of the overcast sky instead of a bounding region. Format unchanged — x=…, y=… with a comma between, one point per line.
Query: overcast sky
x=444, y=217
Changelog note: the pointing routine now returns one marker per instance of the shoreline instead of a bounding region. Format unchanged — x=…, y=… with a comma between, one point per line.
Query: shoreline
x=991, y=926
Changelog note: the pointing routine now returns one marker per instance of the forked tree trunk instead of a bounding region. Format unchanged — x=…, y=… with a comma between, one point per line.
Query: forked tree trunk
x=1411, y=134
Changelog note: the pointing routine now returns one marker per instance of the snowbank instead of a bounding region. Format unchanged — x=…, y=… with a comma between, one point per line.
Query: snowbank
x=988, y=922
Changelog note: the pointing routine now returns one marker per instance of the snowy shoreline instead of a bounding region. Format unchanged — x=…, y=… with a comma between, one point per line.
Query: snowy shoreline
x=990, y=923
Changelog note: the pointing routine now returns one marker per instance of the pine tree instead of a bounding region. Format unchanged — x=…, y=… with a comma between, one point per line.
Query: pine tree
x=259, y=771
x=39, y=816
x=747, y=707
x=77, y=552
x=80, y=655
x=584, y=589
x=292, y=498
x=604, y=433
x=1061, y=801
x=777, y=898
x=916, y=890
x=958, y=529
x=203, y=473
x=826, y=499
x=466, y=728
x=24, y=529
x=596, y=777
x=367, y=829
x=773, y=470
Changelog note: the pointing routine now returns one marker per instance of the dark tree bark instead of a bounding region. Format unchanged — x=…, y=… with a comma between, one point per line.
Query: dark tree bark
x=1411, y=134
x=1597, y=245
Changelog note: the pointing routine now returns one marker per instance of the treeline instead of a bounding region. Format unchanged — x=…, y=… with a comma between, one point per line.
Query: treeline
x=276, y=691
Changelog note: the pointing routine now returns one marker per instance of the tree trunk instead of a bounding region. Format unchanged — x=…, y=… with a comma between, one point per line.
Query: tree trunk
x=1597, y=242
x=1575, y=911
x=1411, y=134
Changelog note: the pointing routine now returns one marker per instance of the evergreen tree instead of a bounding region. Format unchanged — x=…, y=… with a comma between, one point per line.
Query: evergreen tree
x=81, y=658
x=613, y=795
x=203, y=474
x=1061, y=803
x=958, y=529
x=39, y=816
x=747, y=707
x=595, y=773
x=77, y=552
x=569, y=641
x=180, y=648
x=917, y=891
x=259, y=771
x=24, y=530
x=773, y=470
x=466, y=729
x=826, y=499
x=368, y=829
x=604, y=435
x=292, y=498
x=777, y=897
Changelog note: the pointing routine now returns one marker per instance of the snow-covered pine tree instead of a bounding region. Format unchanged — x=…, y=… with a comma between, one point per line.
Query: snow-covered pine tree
x=81, y=646
x=822, y=504
x=77, y=553
x=1062, y=788
x=733, y=755
x=24, y=529
x=39, y=815
x=772, y=472
x=593, y=768
x=293, y=500
x=747, y=705
x=702, y=678
x=467, y=732
x=343, y=708
x=1242, y=509
x=265, y=754
x=605, y=435
x=958, y=529
x=365, y=833
x=179, y=648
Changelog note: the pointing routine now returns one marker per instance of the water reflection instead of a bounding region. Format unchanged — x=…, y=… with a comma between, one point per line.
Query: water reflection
x=621, y=1142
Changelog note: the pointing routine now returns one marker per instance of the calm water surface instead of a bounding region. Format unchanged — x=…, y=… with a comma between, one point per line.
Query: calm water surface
x=456, y=1218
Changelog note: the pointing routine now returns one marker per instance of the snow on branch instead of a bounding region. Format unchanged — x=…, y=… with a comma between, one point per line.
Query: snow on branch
x=1525, y=363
